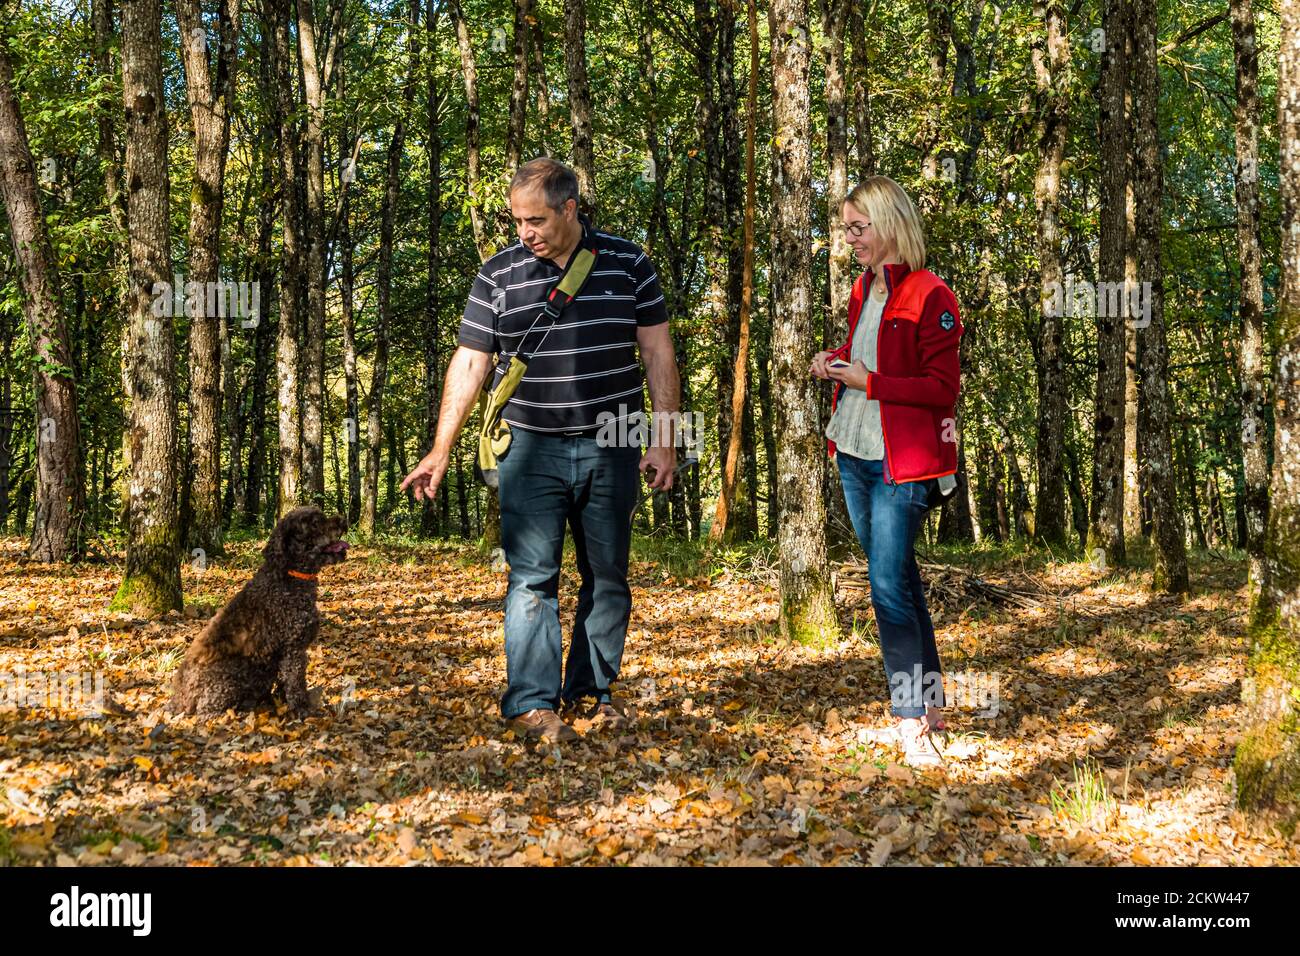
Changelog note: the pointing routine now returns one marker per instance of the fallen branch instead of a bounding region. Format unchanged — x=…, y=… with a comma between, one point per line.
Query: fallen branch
x=946, y=584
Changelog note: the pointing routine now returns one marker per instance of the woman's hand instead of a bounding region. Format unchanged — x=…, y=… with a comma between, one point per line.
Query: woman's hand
x=818, y=367
x=854, y=376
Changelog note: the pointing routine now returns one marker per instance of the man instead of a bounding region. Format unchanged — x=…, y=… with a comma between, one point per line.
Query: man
x=584, y=371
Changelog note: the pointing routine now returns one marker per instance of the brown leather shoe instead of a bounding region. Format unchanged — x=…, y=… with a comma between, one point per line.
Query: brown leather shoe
x=607, y=716
x=541, y=724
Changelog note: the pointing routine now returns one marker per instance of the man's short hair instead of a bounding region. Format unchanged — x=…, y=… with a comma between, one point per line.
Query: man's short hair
x=557, y=181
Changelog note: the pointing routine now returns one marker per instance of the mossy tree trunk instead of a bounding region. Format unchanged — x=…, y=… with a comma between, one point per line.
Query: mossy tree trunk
x=1268, y=755
x=60, y=496
x=807, y=599
x=151, y=585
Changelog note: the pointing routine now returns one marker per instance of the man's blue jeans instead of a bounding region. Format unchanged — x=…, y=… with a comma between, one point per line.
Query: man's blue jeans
x=886, y=518
x=546, y=482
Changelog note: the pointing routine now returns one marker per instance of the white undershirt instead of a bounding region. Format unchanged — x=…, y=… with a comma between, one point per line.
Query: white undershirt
x=855, y=425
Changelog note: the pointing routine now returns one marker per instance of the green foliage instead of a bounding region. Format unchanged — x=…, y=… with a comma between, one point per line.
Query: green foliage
x=1085, y=799
x=980, y=224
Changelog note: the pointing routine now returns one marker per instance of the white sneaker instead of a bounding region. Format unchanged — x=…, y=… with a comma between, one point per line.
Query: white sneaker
x=920, y=750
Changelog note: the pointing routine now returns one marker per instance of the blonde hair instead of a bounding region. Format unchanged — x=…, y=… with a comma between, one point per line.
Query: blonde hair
x=892, y=215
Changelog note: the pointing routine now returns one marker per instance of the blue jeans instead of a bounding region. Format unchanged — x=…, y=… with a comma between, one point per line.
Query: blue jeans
x=546, y=482
x=886, y=518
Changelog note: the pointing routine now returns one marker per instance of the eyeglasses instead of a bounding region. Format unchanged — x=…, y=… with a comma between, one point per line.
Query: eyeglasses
x=855, y=229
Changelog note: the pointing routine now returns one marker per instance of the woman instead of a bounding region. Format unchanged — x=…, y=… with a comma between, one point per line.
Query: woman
x=893, y=434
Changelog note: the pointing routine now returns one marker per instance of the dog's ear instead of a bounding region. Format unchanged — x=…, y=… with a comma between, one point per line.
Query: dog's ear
x=275, y=548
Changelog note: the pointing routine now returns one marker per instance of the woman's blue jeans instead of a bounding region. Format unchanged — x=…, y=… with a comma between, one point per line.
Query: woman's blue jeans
x=886, y=518
x=548, y=481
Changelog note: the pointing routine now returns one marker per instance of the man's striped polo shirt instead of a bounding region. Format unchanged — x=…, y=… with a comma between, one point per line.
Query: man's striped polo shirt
x=588, y=362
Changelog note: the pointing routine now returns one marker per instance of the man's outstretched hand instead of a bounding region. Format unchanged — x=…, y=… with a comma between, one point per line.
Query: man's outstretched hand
x=425, y=477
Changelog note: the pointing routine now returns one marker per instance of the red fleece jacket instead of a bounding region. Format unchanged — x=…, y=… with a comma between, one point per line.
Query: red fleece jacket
x=918, y=371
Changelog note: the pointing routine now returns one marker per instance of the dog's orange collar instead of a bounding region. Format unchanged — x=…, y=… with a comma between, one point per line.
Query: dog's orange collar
x=302, y=575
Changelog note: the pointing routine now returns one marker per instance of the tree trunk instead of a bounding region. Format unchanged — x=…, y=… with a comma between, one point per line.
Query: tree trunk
x=1167, y=520
x=6, y=418
x=575, y=64
x=1074, y=486
x=835, y=15
x=288, y=360
x=60, y=496
x=1106, y=522
x=743, y=524
x=866, y=150
x=251, y=511
x=1189, y=473
x=518, y=115
x=714, y=227
x=473, y=160
x=1019, y=493
x=384, y=285
x=317, y=68
x=739, y=377
x=462, y=499
x=938, y=16
x=1051, y=58
x=1134, y=521
x=151, y=585
x=1267, y=763
x=1255, y=446
x=432, y=383
x=807, y=599
x=536, y=34
x=352, y=411
x=209, y=98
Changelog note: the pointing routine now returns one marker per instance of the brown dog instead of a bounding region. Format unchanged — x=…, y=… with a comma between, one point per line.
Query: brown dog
x=261, y=637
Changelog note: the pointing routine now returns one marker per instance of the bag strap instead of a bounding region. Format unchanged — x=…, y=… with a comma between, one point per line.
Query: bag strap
x=572, y=281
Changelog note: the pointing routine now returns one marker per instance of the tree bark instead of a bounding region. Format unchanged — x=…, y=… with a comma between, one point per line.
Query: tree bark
x=432, y=383
x=288, y=359
x=384, y=284
x=739, y=377
x=1051, y=59
x=473, y=160
x=251, y=511
x=1267, y=762
x=536, y=35
x=1106, y=521
x=938, y=16
x=60, y=496
x=209, y=101
x=866, y=151
x=807, y=599
x=519, y=88
x=317, y=68
x=1134, y=481
x=714, y=245
x=575, y=64
x=835, y=15
x=1255, y=444
x=151, y=585
x=352, y=410
x=1154, y=409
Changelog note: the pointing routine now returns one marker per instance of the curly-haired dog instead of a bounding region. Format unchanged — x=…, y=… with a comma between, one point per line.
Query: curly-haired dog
x=261, y=637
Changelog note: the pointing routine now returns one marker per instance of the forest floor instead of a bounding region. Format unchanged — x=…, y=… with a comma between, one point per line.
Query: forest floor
x=1112, y=741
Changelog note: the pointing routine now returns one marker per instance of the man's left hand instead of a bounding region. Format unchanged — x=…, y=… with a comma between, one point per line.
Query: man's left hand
x=663, y=459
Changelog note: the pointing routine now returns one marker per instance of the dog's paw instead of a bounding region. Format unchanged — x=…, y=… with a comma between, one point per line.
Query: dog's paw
x=308, y=707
